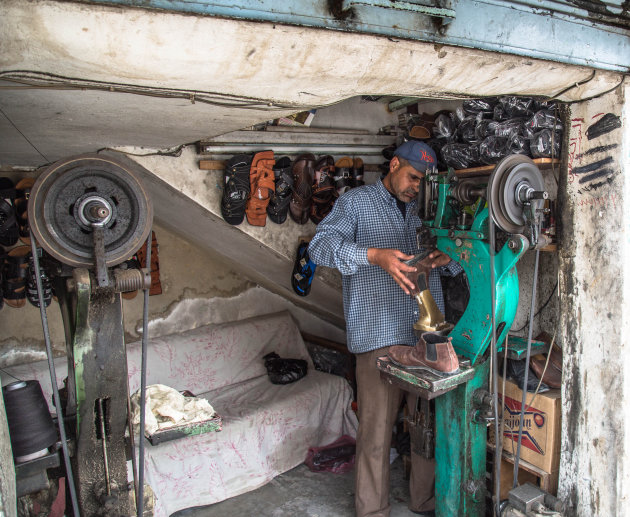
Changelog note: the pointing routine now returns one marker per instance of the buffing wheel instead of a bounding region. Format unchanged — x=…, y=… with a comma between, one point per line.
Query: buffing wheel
x=74, y=192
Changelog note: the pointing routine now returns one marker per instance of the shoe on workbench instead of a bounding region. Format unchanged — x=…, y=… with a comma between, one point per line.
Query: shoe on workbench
x=433, y=353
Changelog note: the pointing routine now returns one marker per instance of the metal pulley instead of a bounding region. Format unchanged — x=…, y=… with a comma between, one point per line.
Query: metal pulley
x=90, y=208
x=515, y=193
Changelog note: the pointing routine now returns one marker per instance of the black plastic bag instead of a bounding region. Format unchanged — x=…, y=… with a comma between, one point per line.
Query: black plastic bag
x=284, y=371
x=518, y=106
x=541, y=144
x=475, y=106
x=444, y=126
x=492, y=149
x=466, y=130
x=509, y=127
x=460, y=156
x=484, y=129
x=517, y=144
x=544, y=119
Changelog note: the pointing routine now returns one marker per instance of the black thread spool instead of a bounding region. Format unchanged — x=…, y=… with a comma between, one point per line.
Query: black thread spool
x=31, y=427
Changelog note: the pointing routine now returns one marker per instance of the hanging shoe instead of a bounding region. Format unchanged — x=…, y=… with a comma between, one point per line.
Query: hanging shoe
x=236, y=188
x=262, y=187
x=301, y=199
x=343, y=174
x=433, y=353
x=324, y=192
x=303, y=271
x=14, y=276
x=357, y=172
x=9, y=231
x=279, y=203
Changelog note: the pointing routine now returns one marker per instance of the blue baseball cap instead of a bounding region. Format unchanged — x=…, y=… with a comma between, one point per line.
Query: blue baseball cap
x=418, y=154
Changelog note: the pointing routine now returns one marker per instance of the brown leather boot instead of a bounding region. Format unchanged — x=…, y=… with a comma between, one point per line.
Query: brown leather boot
x=432, y=352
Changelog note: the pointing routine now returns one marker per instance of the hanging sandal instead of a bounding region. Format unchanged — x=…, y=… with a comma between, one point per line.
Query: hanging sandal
x=262, y=187
x=343, y=174
x=324, y=191
x=22, y=193
x=9, y=232
x=15, y=273
x=279, y=203
x=303, y=270
x=236, y=188
x=301, y=200
x=31, y=284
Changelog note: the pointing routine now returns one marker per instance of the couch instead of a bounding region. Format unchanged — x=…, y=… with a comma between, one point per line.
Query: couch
x=266, y=428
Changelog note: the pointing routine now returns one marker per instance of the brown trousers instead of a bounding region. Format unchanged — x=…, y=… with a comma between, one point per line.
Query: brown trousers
x=378, y=403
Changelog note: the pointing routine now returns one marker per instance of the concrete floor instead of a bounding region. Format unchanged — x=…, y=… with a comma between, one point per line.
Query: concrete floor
x=300, y=492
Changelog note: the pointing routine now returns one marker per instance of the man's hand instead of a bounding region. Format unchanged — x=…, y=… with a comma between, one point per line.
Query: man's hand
x=439, y=259
x=391, y=260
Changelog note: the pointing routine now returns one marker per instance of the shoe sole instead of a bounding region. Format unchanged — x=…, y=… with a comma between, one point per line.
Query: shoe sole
x=424, y=368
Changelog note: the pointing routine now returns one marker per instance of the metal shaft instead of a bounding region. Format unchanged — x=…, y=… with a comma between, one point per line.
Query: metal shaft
x=53, y=379
x=529, y=349
x=101, y=416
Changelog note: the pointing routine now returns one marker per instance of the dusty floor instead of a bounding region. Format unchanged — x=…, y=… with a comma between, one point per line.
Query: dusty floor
x=302, y=493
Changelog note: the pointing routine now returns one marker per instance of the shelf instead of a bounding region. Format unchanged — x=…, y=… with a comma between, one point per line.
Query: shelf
x=542, y=163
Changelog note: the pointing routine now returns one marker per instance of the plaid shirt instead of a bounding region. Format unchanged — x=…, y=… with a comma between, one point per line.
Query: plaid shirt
x=378, y=313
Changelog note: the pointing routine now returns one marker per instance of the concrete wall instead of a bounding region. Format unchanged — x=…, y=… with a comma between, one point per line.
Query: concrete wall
x=594, y=326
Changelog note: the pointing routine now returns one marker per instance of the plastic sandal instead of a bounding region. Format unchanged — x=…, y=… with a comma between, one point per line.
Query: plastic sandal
x=303, y=271
x=9, y=233
x=301, y=200
x=324, y=192
x=15, y=272
x=357, y=172
x=279, y=203
x=262, y=187
x=343, y=174
x=31, y=284
x=22, y=193
x=236, y=188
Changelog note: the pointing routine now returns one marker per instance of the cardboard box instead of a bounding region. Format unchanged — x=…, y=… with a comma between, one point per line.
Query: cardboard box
x=540, y=442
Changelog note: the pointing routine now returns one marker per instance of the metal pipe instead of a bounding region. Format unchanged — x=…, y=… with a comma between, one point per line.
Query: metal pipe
x=529, y=349
x=101, y=416
x=143, y=382
x=53, y=378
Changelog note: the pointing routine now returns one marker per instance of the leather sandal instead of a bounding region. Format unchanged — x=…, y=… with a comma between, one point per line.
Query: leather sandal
x=236, y=188
x=324, y=192
x=279, y=203
x=22, y=193
x=343, y=174
x=9, y=232
x=357, y=172
x=301, y=200
x=262, y=187
x=14, y=273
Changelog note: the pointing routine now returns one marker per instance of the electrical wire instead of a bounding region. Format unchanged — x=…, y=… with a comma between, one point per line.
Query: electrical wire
x=553, y=291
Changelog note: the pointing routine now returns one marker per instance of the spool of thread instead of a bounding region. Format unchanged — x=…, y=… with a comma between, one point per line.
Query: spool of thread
x=31, y=427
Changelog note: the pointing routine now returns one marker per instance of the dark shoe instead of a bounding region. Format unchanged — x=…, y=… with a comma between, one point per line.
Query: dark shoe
x=303, y=271
x=22, y=194
x=343, y=174
x=15, y=273
x=432, y=352
x=236, y=188
x=324, y=192
x=279, y=204
x=9, y=232
x=357, y=172
x=301, y=199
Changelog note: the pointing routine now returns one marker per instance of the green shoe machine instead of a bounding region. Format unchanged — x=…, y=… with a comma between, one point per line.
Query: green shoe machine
x=458, y=213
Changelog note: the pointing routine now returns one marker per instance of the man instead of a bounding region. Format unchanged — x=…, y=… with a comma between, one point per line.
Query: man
x=368, y=235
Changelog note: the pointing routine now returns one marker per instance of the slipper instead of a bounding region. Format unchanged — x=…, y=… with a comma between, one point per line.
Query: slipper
x=22, y=193
x=324, y=192
x=303, y=270
x=301, y=200
x=9, y=232
x=357, y=172
x=343, y=174
x=236, y=188
x=31, y=285
x=279, y=203
x=262, y=187
x=14, y=273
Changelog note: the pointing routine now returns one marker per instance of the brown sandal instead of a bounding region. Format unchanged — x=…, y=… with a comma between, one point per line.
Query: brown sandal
x=14, y=273
x=262, y=184
x=301, y=200
x=324, y=192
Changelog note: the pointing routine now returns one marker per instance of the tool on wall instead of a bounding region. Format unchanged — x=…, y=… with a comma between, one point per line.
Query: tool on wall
x=91, y=213
x=460, y=214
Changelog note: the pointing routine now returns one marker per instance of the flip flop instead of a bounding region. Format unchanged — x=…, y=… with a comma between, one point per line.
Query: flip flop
x=324, y=192
x=15, y=273
x=303, y=271
x=262, y=187
x=236, y=188
x=9, y=232
x=301, y=200
x=279, y=203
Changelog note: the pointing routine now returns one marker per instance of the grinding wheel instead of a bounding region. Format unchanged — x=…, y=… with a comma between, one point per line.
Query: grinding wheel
x=62, y=196
x=510, y=174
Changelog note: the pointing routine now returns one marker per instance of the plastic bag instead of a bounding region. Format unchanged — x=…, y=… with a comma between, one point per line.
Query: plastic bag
x=540, y=144
x=492, y=149
x=484, y=129
x=544, y=119
x=466, y=130
x=284, y=371
x=509, y=126
x=444, y=126
x=515, y=371
x=337, y=457
x=517, y=144
x=518, y=106
x=475, y=106
x=460, y=156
